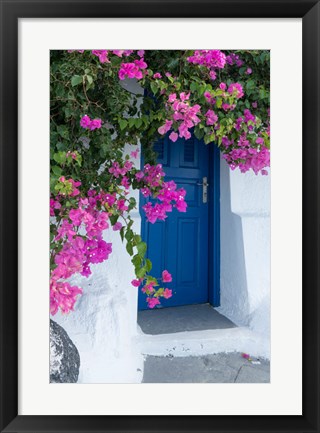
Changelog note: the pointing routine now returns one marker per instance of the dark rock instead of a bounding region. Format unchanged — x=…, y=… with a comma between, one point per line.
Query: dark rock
x=64, y=356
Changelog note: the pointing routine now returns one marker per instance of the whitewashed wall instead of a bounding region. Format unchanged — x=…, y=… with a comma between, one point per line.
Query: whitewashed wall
x=104, y=324
x=245, y=248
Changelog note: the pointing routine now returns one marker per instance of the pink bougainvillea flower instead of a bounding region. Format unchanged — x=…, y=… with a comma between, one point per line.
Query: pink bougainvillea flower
x=121, y=205
x=117, y=226
x=223, y=86
x=167, y=293
x=260, y=140
x=212, y=118
x=152, y=302
x=125, y=182
x=85, y=121
x=245, y=356
x=95, y=124
x=173, y=136
x=213, y=75
x=136, y=283
x=166, y=276
x=249, y=71
x=149, y=288
x=172, y=97
x=165, y=128
x=63, y=296
x=157, y=75
x=139, y=175
x=134, y=153
x=236, y=90
x=209, y=58
x=184, y=96
x=102, y=55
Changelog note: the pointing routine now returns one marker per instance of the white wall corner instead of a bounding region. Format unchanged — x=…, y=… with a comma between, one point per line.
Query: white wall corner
x=245, y=248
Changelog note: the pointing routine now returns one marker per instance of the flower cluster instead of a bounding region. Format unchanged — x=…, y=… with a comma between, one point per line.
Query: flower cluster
x=79, y=236
x=149, y=288
x=78, y=241
x=247, y=156
x=54, y=204
x=236, y=90
x=67, y=188
x=169, y=197
x=132, y=70
x=234, y=59
x=103, y=55
x=211, y=59
x=63, y=296
x=184, y=114
x=91, y=124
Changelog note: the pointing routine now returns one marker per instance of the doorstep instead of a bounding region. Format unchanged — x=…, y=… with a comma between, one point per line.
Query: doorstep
x=195, y=330
x=170, y=320
x=198, y=343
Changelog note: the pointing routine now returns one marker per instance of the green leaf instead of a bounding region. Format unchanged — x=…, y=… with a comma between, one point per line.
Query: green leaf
x=123, y=124
x=113, y=219
x=129, y=235
x=137, y=239
x=136, y=260
x=219, y=102
x=199, y=133
x=193, y=86
x=56, y=170
x=90, y=79
x=142, y=248
x=148, y=265
x=138, y=122
x=60, y=157
x=141, y=272
x=132, y=122
x=152, y=280
x=209, y=138
x=75, y=80
x=154, y=88
x=250, y=84
x=129, y=248
x=63, y=131
x=122, y=233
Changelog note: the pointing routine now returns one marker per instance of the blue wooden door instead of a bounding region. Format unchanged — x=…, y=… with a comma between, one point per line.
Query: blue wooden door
x=180, y=243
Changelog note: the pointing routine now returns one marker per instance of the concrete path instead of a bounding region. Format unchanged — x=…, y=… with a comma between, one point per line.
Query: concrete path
x=218, y=368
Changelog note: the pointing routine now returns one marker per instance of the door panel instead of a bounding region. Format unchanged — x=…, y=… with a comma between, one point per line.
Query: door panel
x=180, y=243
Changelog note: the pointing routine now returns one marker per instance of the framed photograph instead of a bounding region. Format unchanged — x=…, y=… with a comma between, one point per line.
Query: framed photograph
x=172, y=285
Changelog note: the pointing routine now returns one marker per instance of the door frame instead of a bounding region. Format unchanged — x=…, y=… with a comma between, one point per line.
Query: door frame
x=213, y=223
x=214, y=226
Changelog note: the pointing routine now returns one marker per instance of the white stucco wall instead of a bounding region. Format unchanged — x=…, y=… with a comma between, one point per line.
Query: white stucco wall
x=104, y=324
x=245, y=248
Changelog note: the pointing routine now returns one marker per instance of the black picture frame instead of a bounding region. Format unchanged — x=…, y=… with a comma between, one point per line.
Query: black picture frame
x=11, y=11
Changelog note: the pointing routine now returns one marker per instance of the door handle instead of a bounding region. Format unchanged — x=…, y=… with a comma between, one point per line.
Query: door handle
x=204, y=185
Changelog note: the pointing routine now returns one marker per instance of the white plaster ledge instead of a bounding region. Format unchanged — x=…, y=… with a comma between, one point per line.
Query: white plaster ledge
x=197, y=343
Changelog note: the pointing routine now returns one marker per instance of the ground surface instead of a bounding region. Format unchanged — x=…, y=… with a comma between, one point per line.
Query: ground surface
x=179, y=319
x=218, y=368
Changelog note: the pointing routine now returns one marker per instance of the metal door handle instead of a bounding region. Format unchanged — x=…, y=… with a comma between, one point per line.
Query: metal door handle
x=204, y=189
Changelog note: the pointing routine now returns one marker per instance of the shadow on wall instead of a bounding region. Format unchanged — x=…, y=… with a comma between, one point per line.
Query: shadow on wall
x=233, y=281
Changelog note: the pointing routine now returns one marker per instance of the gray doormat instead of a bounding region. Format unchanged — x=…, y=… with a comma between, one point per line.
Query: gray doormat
x=178, y=319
